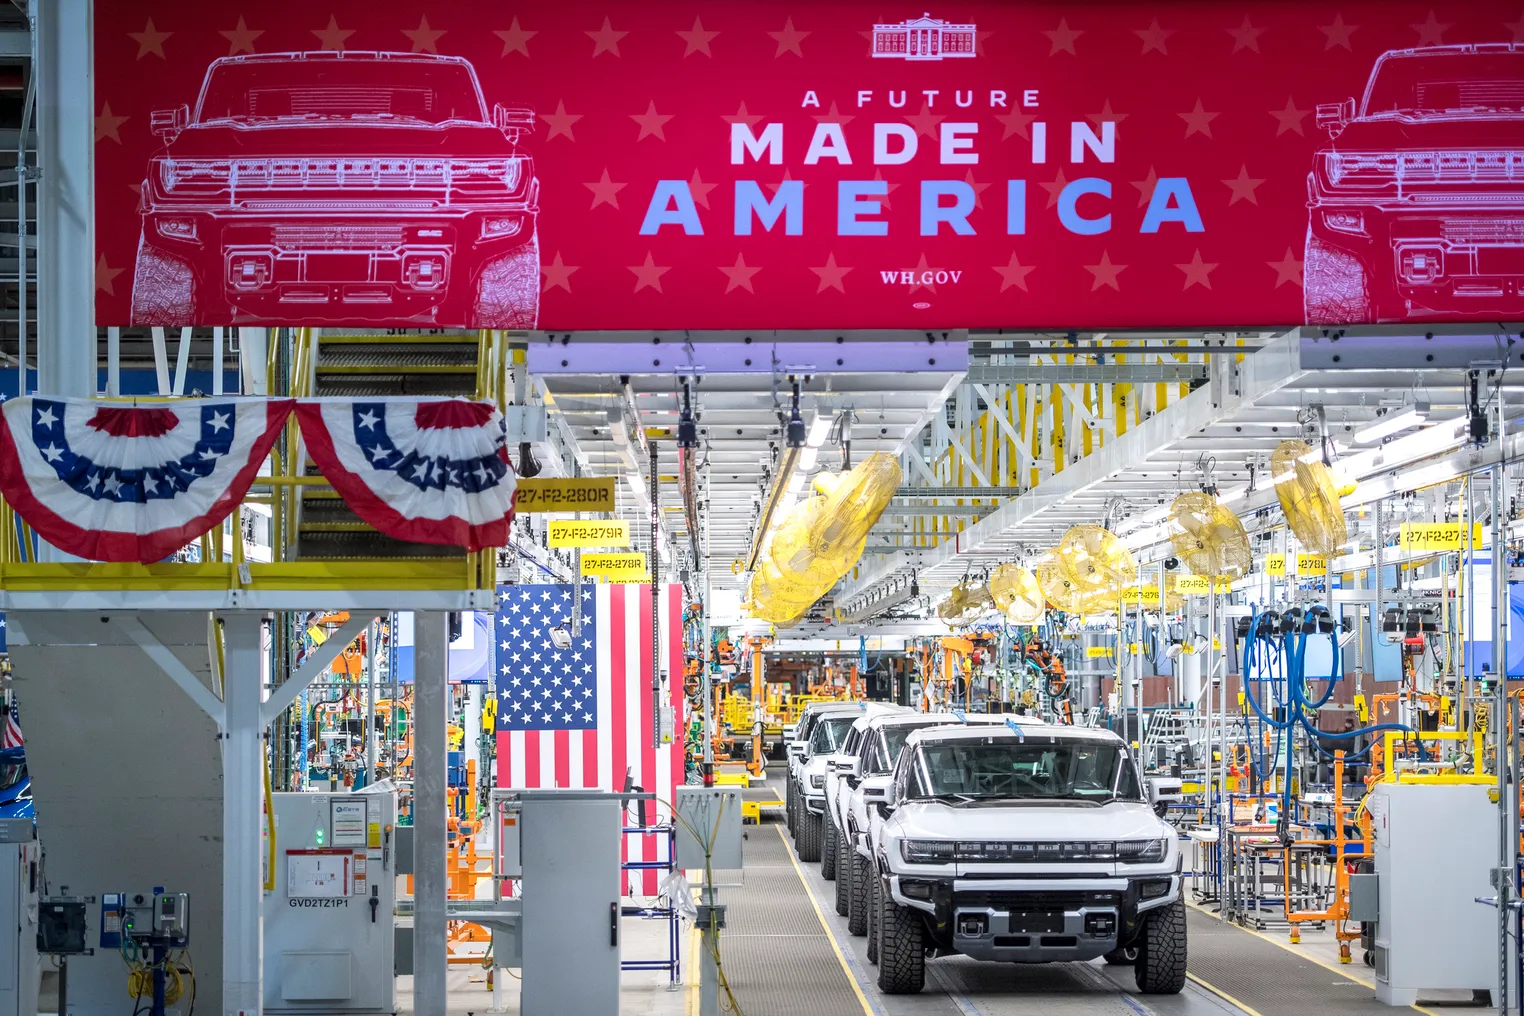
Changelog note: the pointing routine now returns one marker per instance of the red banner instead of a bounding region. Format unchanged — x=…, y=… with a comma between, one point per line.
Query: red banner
x=825, y=165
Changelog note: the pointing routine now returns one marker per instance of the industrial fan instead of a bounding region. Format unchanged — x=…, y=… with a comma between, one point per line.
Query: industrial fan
x=820, y=538
x=1058, y=588
x=966, y=601
x=1308, y=497
x=1096, y=560
x=1208, y=537
x=1017, y=594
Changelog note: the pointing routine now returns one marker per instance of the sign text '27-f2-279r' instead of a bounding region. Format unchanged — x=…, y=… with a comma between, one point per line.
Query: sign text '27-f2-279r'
x=834, y=165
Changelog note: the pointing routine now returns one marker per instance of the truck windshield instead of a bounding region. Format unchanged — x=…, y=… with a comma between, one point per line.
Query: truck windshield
x=371, y=90
x=829, y=733
x=894, y=740
x=1030, y=769
x=1447, y=82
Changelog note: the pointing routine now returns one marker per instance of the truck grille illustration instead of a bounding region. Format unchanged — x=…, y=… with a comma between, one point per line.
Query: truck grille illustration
x=340, y=188
x=1417, y=203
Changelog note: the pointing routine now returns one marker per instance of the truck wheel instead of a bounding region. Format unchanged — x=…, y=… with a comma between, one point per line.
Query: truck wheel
x=1160, y=969
x=828, y=838
x=1123, y=957
x=788, y=807
x=508, y=289
x=807, y=840
x=1335, y=290
x=901, y=948
x=844, y=855
x=872, y=914
x=163, y=289
x=857, y=892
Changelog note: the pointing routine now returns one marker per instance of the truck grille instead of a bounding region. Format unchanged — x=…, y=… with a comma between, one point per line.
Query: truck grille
x=1059, y=900
x=336, y=236
x=1492, y=231
x=1457, y=166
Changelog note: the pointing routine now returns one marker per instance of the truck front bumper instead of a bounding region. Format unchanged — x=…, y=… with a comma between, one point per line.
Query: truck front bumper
x=1035, y=920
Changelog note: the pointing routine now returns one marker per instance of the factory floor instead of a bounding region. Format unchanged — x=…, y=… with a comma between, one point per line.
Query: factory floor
x=788, y=952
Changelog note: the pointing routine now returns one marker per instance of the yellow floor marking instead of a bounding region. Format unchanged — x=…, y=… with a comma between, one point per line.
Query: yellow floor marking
x=830, y=936
x=1224, y=995
x=1309, y=957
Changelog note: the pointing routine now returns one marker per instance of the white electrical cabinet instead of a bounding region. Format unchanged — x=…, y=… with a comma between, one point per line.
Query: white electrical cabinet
x=1436, y=845
x=329, y=943
x=20, y=970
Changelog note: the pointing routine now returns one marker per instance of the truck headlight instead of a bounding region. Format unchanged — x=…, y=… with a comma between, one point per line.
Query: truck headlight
x=497, y=226
x=927, y=851
x=817, y=781
x=1142, y=851
x=1344, y=221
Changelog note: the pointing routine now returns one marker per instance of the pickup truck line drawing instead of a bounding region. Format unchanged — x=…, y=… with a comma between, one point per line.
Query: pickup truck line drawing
x=1417, y=200
x=353, y=188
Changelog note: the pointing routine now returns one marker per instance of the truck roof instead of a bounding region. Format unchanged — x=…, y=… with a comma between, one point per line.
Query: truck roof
x=351, y=55
x=983, y=730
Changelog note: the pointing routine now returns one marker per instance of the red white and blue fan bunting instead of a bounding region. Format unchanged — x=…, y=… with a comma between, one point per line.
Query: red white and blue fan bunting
x=421, y=470
x=112, y=482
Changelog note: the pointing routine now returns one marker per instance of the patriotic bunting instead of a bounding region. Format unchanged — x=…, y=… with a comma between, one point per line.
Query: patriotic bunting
x=421, y=470
x=114, y=482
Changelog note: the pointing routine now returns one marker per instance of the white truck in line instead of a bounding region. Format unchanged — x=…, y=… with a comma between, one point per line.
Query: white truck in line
x=1026, y=844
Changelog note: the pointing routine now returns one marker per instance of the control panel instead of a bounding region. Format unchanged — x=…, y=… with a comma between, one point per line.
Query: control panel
x=144, y=917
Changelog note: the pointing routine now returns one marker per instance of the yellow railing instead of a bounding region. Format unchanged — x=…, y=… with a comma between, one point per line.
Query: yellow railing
x=279, y=489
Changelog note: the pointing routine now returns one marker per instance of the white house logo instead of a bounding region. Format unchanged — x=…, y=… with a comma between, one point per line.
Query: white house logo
x=924, y=38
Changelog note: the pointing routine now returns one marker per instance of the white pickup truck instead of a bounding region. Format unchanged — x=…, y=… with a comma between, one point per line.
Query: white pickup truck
x=874, y=754
x=1025, y=844
x=807, y=767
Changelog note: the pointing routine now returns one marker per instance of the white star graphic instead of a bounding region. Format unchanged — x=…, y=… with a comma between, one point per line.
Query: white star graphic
x=504, y=669
x=503, y=693
x=219, y=422
x=576, y=680
x=96, y=483
x=566, y=594
x=503, y=620
x=556, y=681
x=368, y=420
x=517, y=657
x=208, y=454
x=536, y=682
x=45, y=417
x=587, y=643
x=587, y=717
x=378, y=453
x=420, y=472
x=479, y=473
x=545, y=595
x=516, y=606
x=537, y=657
x=52, y=452
x=151, y=482
x=113, y=484
x=566, y=717
x=517, y=681
x=503, y=645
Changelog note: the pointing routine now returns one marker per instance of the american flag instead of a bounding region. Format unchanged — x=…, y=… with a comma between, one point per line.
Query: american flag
x=581, y=716
x=12, y=736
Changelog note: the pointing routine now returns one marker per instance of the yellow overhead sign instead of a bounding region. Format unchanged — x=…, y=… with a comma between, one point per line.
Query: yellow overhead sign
x=1193, y=585
x=1311, y=565
x=564, y=494
x=628, y=567
x=1096, y=652
x=1435, y=536
x=1275, y=565
x=598, y=533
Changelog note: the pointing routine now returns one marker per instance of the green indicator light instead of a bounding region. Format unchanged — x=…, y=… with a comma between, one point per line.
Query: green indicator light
x=320, y=837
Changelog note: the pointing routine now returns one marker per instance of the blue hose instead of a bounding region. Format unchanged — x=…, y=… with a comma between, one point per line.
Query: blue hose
x=1297, y=704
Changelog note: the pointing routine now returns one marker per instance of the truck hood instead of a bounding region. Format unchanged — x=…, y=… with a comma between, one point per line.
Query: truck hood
x=318, y=138
x=1469, y=131
x=1031, y=821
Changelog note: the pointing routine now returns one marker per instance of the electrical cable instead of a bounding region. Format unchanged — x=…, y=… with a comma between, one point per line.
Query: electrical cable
x=1298, y=706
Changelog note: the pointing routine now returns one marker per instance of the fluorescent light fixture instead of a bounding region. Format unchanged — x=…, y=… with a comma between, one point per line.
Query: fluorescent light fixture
x=807, y=458
x=795, y=482
x=1424, y=443
x=1390, y=424
x=1282, y=478
x=820, y=429
x=1229, y=496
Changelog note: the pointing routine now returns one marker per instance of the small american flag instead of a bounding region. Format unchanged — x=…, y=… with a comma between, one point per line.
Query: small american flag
x=12, y=736
x=581, y=716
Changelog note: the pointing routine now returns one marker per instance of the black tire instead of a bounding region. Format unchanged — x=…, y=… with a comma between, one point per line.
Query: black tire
x=857, y=892
x=807, y=837
x=788, y=807
x=828, y=848
x=1160, y=969
x=844, y=854
x=1126, y=956
x=901, y=948
x=872, y=915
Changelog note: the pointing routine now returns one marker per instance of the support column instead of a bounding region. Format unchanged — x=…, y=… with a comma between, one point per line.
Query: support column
x=242, y=758
x=66, y=352
x=430, y=706
x=373, y=643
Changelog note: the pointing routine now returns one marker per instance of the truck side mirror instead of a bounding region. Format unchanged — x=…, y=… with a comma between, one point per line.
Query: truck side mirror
x=1162, y=792
x=514, y=121
x=167, y=123
x=877, y=792
x=1335, y=116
